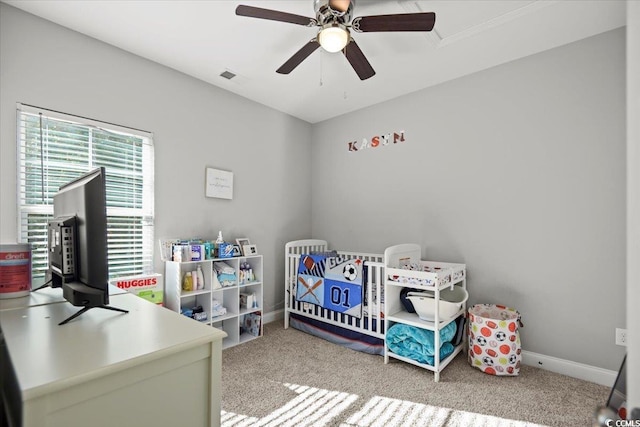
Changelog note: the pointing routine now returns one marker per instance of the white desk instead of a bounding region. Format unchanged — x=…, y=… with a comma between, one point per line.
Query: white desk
x=149, y=367
x=44, y=296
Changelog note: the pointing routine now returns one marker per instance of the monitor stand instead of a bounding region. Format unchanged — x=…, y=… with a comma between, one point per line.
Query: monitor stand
x=89, y=307
x=81, y=295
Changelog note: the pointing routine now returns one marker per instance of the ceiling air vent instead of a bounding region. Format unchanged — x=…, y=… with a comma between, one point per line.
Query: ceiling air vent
x=227, y=75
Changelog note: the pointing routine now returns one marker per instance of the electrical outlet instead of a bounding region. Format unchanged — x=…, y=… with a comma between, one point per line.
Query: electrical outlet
x=621, y=337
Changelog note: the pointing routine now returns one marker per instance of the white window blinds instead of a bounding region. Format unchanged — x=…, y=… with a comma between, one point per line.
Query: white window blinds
x=53, y=149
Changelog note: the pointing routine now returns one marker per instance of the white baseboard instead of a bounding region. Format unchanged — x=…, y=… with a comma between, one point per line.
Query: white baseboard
x=581, y=371
x=272, y=316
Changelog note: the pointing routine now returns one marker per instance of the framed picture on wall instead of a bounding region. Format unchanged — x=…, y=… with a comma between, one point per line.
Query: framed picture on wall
x=218, y=183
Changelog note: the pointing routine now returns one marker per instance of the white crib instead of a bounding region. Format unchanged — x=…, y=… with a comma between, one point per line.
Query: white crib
x=329, y=324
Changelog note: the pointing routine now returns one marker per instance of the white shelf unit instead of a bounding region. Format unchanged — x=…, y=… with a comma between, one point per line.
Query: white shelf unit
x=175, y=298
x=442, y=276
x=234, y=320
x=229, y=297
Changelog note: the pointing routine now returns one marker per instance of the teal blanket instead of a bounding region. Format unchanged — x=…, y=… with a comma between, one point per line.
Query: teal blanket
x=418, y=344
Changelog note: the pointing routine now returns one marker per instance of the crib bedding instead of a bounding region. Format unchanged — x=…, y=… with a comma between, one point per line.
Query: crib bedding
x=360, y=328
x=333, y=333
x=331, y=281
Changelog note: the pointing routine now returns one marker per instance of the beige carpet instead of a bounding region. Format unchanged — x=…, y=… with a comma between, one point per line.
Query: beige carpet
x=288, y=377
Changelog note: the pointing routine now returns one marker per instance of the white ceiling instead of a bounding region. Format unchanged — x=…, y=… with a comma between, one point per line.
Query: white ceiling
x=205, y=38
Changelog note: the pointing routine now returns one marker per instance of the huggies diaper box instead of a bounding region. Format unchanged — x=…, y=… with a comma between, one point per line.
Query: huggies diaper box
x=147, y=286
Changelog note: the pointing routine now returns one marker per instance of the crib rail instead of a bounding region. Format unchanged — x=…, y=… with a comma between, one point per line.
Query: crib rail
x=372, y=321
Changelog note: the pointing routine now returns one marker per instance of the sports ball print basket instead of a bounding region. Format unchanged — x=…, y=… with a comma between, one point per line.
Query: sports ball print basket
x=494, y=339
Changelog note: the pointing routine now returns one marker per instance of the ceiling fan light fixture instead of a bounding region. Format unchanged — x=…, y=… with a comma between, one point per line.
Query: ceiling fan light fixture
x=333, y=37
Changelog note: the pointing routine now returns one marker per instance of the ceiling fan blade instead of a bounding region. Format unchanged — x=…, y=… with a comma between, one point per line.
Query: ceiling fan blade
x=358, y=61
x=298, y=57
x=275, y=15
x=400, y=22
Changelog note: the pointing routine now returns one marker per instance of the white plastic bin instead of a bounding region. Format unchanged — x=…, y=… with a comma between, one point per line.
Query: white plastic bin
x=450, y=303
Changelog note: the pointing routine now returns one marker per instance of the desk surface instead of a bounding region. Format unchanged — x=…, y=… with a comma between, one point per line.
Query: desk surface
x=47, y=357
x=44, y=296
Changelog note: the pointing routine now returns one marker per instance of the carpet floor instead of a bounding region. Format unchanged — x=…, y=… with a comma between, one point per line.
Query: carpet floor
x=288, y=377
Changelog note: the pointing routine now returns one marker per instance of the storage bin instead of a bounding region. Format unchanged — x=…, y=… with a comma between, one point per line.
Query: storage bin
x=451, y=301
x=494, y=339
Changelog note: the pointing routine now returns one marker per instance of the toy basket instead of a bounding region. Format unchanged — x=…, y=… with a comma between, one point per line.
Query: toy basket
x=494, y=339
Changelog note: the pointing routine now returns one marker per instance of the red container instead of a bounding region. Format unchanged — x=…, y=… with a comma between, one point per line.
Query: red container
x=15, y=270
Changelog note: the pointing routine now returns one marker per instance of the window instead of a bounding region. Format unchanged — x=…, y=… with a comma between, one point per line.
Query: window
x=53, y=149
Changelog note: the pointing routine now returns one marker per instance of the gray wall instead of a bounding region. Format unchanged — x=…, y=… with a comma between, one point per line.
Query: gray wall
x=195, y=125
x=517, y=171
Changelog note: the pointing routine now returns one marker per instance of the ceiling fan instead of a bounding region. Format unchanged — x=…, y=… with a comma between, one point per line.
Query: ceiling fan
x=333, y=17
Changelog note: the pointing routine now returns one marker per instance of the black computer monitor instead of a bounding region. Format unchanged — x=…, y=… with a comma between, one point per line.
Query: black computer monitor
x=78, y=242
